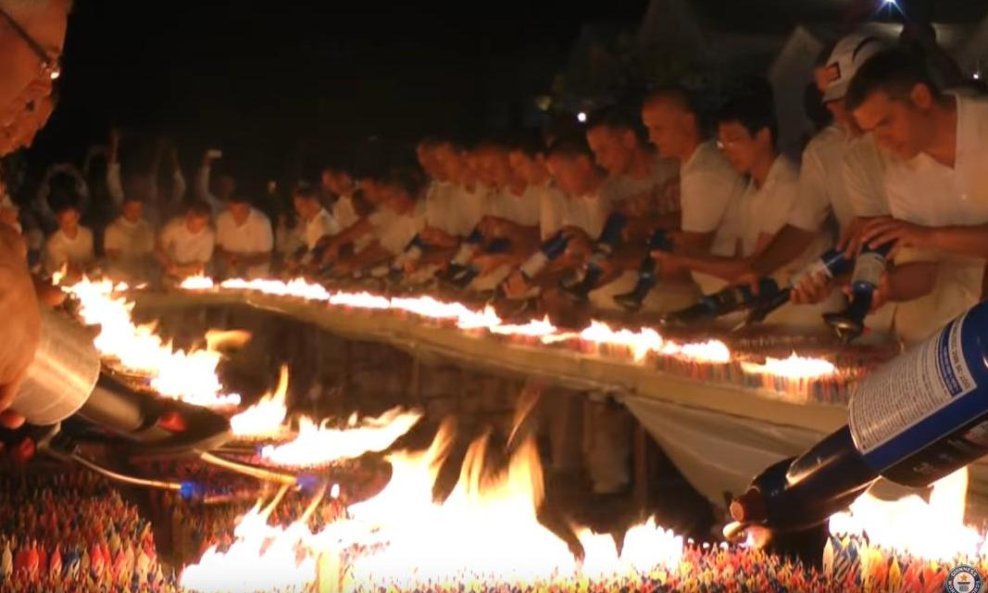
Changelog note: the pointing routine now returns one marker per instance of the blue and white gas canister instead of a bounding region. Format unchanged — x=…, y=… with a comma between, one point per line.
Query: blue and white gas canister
x=925, y=414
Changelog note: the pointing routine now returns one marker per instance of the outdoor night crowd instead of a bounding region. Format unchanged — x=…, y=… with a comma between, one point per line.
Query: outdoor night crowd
x=637, y=209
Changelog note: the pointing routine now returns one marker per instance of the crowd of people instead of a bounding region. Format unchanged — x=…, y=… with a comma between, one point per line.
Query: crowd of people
x=639, y=209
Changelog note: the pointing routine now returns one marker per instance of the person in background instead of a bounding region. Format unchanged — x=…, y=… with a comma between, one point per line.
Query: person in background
x=161, y=203
x=579, y=218
x=71, y=246
x=129, y=243
x=316, y=226
x=747, y=133
x=708, y=184
x=643, y=191
x=185, y=246
x=338, y=188
x=390, y=228
x=214, y=192
x=244, y=240
x=62, y=182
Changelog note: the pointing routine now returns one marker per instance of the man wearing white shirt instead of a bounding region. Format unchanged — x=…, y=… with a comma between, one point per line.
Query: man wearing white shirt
x=338, y=188
x=244, y=240
x=391, y=228
x=747, y=132
x=185, y=246
x=129, y=242
x=937, y=188
x=71, y=246
x=707, y=183
x=317, y=226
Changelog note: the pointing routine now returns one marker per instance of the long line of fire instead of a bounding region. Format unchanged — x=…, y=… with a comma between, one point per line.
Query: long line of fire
x=486, y=534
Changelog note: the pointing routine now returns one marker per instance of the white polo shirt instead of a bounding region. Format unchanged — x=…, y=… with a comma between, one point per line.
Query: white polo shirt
x=588, y=212
x=552, y=204
x=926, y=192
x=133, y=240
x=650, y=189
x=520, y=209
x=252, y=237
x=438, y=206
x=60, y=249
x=761, y=210
x=321, y=225
x=394, y=231
x=864, y=178
x=708, y=183
x=184, y=247
x=467, y=207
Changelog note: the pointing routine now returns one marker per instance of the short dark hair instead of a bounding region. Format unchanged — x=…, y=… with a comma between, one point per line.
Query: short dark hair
x=237, y=198
x=306, y=192
x=408, y=179
x=64, y=202
x=571, y=147
x=198, y=208
x=620, y=119
x=895, y=72
x=750, y=103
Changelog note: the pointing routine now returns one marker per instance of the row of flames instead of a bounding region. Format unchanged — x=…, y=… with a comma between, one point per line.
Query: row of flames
x=486, y=529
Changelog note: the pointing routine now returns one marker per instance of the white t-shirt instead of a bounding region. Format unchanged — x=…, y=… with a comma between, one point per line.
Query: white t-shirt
x=588, y=212
x=250, y=238
x=467, y=207
x=761, y=210
x=322, y=224
x=394, y=231
x=520, y=209
x=60, y=249
x=650, y=189
x=552, y=205
x=438, y=206
x=133, y=240
x=926, y=192
x=864, y=178
x=708, y=183
x=184, y=247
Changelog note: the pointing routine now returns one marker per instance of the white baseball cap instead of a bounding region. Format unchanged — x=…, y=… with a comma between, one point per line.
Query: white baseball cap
x=848, y=56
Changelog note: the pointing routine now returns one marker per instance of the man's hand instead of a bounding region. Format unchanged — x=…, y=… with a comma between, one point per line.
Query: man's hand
x=812, y=290
x=903, y=234
x=21, y=329
x=881, y=296
x=489, y=262
x=515, y=286
x=852, y=239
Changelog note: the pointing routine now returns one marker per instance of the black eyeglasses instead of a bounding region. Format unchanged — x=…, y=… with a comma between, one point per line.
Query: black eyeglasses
x=50, y=67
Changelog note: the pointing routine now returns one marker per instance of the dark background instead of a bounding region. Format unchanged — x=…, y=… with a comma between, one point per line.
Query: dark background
x=276, y=82
x=265, y=81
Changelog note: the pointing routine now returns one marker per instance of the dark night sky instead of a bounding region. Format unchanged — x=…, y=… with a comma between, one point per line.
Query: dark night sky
x=255, y=78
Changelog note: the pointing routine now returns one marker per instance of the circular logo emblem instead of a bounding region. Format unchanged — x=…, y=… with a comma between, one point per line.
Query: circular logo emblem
x=964, y=579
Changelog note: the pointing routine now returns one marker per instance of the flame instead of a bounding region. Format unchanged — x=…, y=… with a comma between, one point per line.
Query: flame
x=317, y=444
x=217, y=339
x=794, y=367
x=267, y=416
x=485, y=531
x=185, y=375
x=931, y=529
x=638, y=343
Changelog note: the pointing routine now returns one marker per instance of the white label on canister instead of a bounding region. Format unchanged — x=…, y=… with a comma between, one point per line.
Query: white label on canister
x=818, y=267
x=910, y=389
x=534, y=265
x=868, y=268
